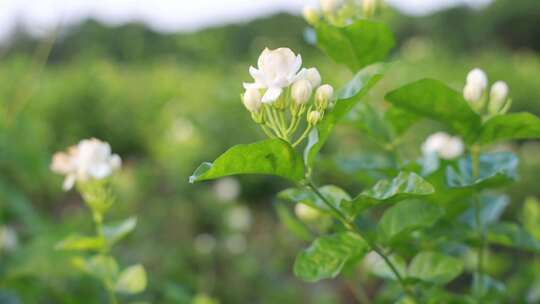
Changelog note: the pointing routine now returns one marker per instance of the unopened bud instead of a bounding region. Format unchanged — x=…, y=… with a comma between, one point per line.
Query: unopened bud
x=323, y=95
x=306, y=213
x=252, y=100
x=314, y=77
x=369, y=6
x=498, y=97
x=473, y=93
x=313, y=117
x=311, y=15
x=477, y=77
x=301, y=91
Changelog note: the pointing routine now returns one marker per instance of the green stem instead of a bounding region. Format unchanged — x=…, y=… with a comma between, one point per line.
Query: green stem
x=475, y=160
x=112, y=296
x=306, y=133
x=267, y=131
x=342, y=217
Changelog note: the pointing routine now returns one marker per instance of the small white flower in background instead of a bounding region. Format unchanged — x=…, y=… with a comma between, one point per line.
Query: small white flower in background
x=8, y=239
x=204, y=243
x=314, y=77
x=498, y=96
x=323, y=95
x=331, y=6
x=311, y=14
x=239, y=218
x=306, y=212
x=444, y=145
x=236, y=244
x=301, y=91
x=252, y=99
x=227, y=189
x=277, y=69
x=90, y=159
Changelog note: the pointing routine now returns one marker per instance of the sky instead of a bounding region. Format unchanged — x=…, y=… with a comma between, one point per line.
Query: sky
x=39, y=16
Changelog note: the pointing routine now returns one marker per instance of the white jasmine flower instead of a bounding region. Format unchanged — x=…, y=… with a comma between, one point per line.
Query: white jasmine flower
x=90, y=159
x=331, y=6
x=227, y=189
x=313, y=117
x=314, y=77
x=323, y=95
x=473, y=92
x=239, y=218
x=444, y=145
x=252, y=100
x=301, y=91
x=478, y=77
x=277, y=69
x=498, y=96
x=236, y=244
x=204, y=243
x=306, y=212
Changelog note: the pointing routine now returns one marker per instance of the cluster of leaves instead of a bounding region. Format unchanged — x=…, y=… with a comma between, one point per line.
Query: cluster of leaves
x=429, y=212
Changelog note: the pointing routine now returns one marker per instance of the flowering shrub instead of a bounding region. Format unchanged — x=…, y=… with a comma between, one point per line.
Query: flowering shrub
x=89, y=165
x=417, y=226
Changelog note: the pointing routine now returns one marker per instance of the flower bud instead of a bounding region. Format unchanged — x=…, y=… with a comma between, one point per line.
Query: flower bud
x=306, y=213
x=331, y=6
x=498, y=96
x=314, y=77
x=369, y=6
x=252, y=100
x=323, y=95
x=477, y=77
x=301, y=91
x=311, y=15
x=313, y=117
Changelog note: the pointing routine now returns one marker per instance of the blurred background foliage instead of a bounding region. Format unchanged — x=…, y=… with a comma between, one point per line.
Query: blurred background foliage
x=166, y=102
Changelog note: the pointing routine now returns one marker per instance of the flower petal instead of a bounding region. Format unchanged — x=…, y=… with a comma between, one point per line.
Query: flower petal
x=271, y=95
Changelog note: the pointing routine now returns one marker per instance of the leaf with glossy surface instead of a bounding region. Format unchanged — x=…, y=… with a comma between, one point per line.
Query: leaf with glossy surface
x=347, y=98
x=270, y=157
x=327, y=255
x=355, y=45
x=114, y=233
x=80, y=243
x=495, y=169
x=376, y=265
x=491, y=208
x=100, y=266
x=434, y=267
x=131, y=280
x=508, y=127
x=400, y=119
x=407, y=216
x=433, y=99
x=371, y=122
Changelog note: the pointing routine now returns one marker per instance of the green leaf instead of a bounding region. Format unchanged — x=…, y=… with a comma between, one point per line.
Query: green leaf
x=433, y=99
x=292, y=223
x=407, y=216
x=485, y=286
x=491, y=208
x=376, y=265
x=355, y=45
x=114, y=233
x=434, y=267
x=512, y=235
x=495, y=169
x=371, y=122
x=347, y=98
x=100, y=266
x=80, y=243
x=406, y=185
x=131, y=280
x=531, y=217
x=306, y=196
x=400, y=119
x=510, y=126
x=327, y=255
x=272, y=157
